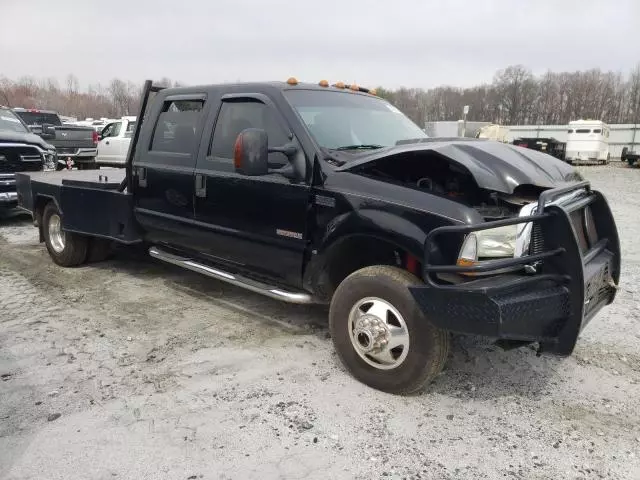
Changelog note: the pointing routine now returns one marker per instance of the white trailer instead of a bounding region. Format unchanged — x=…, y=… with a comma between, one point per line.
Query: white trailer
x=587, y=142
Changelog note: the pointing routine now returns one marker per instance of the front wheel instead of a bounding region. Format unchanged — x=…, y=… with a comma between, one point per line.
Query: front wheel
x=380, y=333
x=65, y=248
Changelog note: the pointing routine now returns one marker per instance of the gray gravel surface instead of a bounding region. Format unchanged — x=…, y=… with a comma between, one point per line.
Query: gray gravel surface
x=131, y=369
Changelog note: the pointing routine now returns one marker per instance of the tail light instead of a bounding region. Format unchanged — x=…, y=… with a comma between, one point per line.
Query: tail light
x=94, y=134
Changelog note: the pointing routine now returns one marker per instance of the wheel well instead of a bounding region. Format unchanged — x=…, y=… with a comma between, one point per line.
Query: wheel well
x=356, y=252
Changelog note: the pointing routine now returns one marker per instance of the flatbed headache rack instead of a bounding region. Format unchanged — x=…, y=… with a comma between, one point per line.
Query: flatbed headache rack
x=147, y=90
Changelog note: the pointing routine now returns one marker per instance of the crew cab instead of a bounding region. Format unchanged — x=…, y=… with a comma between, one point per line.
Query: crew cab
x=114, y=142
x=319, y=193
x=20, y=151
x=74, y=144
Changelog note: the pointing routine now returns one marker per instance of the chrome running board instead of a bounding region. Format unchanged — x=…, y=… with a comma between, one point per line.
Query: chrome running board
x=233, y=279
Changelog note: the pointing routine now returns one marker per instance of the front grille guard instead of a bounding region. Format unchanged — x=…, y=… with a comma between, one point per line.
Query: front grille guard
x=556, y=197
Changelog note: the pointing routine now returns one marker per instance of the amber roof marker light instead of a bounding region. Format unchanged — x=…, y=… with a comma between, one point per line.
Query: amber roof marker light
x=323, y=83
x=292, y=81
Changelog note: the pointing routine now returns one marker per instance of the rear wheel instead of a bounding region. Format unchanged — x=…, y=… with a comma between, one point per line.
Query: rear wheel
x=65, y=248
x=380, y=333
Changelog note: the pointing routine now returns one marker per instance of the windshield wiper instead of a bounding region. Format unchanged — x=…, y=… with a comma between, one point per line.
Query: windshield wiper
x=360, y=147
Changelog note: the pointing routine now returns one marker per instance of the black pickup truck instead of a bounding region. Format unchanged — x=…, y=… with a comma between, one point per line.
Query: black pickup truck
x=20, y=151
x=75, y=145
x=318, y=193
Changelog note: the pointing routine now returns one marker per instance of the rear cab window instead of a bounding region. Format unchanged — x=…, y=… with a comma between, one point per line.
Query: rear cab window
x=39, y=118
x=583, y=130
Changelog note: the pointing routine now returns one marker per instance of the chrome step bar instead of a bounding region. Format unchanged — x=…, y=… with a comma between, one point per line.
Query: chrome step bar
x=233, y=279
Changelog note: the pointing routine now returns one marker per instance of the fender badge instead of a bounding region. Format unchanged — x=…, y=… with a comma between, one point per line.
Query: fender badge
x=287, y=233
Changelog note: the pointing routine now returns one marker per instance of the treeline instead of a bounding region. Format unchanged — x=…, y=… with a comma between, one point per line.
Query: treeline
x=514, y=97
x=114, y=100
x=517, y=97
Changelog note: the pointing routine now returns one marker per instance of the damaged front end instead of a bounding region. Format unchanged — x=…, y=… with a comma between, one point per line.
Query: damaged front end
x=540, y=262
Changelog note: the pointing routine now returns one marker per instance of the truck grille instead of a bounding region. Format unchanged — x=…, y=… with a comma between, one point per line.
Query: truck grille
x=20, y=159
x=597, y=289
x=577, y=220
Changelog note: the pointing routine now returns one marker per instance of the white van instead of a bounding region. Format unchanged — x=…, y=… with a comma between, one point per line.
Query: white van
x=587, y=141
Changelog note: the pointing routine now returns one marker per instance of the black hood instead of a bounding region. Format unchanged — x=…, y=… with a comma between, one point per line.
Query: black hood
x=495, y=166
x=28, y=138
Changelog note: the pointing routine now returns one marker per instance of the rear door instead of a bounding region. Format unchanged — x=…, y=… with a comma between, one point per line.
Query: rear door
x=252, y=222
x=164, y=189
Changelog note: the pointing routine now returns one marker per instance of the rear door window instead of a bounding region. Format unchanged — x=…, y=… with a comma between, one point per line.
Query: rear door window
x=175, y=130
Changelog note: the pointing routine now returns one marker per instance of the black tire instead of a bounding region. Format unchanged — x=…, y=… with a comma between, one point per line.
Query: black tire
x=428, y=345
x=100, y=249
x=74, y=250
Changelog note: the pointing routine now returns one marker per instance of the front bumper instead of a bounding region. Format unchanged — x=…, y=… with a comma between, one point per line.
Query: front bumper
x=573, y=282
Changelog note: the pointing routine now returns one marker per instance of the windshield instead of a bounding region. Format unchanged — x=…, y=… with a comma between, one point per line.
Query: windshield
x=9, y=122
x=40, y=118
x=341, y=119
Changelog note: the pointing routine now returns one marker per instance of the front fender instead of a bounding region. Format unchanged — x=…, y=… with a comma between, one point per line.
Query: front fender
x=375, y=223
x=408, y=236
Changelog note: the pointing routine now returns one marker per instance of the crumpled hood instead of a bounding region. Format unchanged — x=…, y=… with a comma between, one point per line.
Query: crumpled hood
x=28, y=138
x=495, y=166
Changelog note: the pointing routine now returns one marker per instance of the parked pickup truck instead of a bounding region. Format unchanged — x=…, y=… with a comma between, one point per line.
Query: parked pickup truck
x=318, y=193
x=630, y=156
x=20, y=151
x=74, y=144
x=115, y=139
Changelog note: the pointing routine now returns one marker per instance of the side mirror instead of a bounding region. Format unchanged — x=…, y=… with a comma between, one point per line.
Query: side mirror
x=251, y=152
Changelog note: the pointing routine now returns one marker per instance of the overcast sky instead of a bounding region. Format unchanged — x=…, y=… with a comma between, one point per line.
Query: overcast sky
x=416, y=43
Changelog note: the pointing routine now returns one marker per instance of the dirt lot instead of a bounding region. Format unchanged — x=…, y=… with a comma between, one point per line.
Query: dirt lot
x=131, y=369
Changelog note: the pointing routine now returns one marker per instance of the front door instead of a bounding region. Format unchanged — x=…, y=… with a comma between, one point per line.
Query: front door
x=253, y=222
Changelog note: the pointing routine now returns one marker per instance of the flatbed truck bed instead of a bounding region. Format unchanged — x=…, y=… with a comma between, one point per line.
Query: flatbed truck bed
x=77, y=192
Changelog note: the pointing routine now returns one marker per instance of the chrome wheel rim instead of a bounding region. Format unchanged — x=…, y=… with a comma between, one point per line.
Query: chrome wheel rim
x=56, y=235
x=378, y=333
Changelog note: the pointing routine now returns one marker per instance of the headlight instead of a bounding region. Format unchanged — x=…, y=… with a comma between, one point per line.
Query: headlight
x=487, y=244
x=511, y=241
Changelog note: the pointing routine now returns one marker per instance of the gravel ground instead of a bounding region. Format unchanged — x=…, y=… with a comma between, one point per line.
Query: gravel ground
x=132, y=369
